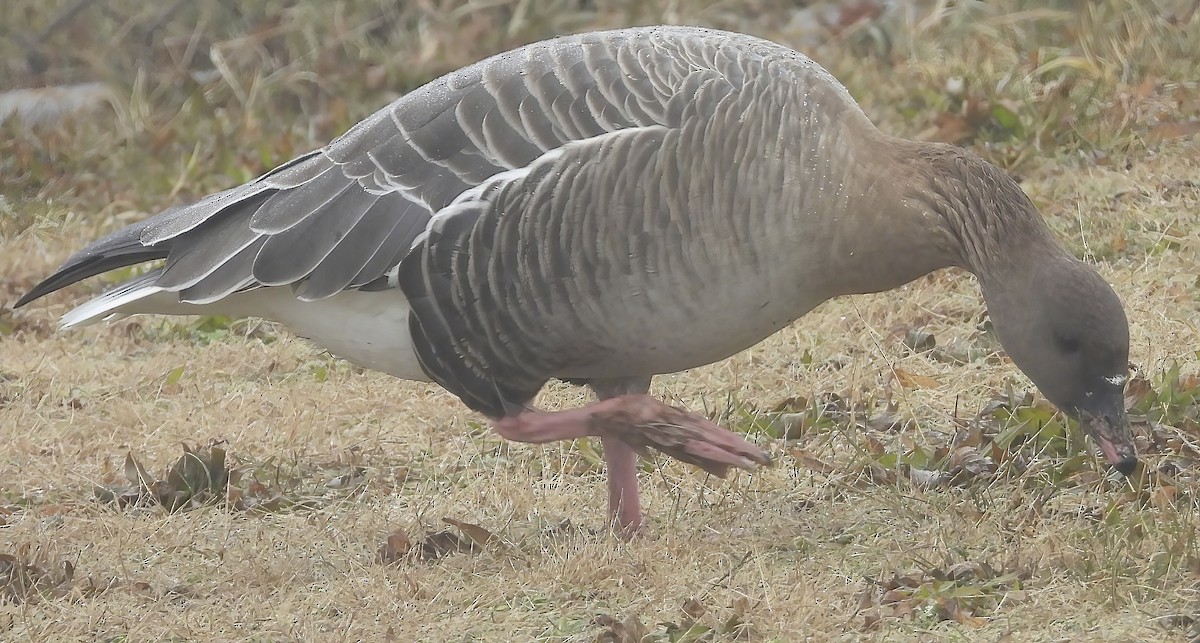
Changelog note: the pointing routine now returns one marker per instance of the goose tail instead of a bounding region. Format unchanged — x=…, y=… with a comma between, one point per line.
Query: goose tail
x=117, y=250
x=108, y=307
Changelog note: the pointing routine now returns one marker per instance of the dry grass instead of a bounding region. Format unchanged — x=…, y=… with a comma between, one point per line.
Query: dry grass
x=1094, y=106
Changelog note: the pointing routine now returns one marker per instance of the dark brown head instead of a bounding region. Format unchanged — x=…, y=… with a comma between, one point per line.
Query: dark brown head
x=1066, y=329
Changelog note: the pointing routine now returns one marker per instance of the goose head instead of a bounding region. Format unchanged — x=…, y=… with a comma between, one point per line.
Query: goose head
x=1067, y=331
x=1057, y=318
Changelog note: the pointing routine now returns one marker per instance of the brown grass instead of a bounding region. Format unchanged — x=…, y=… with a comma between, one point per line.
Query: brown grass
x=820, y=547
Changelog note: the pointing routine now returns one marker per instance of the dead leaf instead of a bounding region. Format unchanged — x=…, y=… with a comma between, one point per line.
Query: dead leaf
x=873, y=445
x=395, y=548
x=136, y=473
x=1193, y=565
x=630, y=630
x=967, y=462
x=969, y=571
x=790, y=404
x=1146, y=88
x=1172, y=129
x=952, y=609
x=693, y=610
x=791, y=426
x=872, y=618
x=912, y=580
x=355, y=478
x=914, y=380
x=809, y=461
x=478, y=535
x=46, y=106
x=919, y=340
x=1137, y=391
x=867, y=598
x=197, y=474
x=32, y=574
x=1016, y=596
x=880, y=475
x=889, y=421
x=902, y=609
x=442, y=544
x=928, y=478
x=1164, y=497
x=375, y=77
x=736, y=625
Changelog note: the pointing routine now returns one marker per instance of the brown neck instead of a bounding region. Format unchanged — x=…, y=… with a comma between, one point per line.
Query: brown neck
x=981, y=215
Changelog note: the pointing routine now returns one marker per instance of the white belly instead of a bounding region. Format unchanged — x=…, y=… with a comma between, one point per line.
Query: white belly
x=369, y=329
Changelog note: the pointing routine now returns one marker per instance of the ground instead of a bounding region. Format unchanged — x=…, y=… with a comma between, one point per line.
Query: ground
x=922, y=489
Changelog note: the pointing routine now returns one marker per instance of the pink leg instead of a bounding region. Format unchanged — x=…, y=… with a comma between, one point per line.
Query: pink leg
x=634, y=423
x=620, y=462
x=624, y=506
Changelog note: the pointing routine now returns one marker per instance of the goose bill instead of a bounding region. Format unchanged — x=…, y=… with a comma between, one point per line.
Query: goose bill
x=1115, y=440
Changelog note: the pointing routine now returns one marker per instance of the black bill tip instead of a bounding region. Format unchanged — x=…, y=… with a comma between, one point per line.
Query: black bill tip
x=1126, y=465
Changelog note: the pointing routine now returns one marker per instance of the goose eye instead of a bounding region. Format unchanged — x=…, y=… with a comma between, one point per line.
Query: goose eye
x=1066, y=343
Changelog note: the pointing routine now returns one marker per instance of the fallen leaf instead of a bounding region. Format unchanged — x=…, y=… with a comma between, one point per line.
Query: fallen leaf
x=969, y=571
x=1016, y=596
x=630, y=630
x=914, y=380
x=442, y=544
x=949, y=128
x=1173, y=129
x=809, y=461
x=903, y=609
x=790, y=426
x=46, y=106
x=928, y=478
x=873, y=445
x=919, y=340
x=396, y=547
x=872, y=618
x=136, y=473
x=478, y=535
x=355, y=478
x=1193, y=565
x=693, y=610
x=1164, y=497
x=1137, y=391
x=952, y=609
x=736, y=625
x=791, y=404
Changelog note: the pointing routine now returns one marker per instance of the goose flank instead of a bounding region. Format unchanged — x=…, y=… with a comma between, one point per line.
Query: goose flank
x=608, y=207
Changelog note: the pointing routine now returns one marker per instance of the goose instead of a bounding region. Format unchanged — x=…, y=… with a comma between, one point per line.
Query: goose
x=605, y=207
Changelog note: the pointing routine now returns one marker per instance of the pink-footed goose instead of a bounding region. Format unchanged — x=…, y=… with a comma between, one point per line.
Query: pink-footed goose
x=607, y=207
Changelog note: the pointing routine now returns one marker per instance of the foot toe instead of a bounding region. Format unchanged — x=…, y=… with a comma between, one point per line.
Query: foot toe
x=642, y=421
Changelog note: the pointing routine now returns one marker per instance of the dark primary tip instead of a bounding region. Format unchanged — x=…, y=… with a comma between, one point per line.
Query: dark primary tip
x=1126, y=465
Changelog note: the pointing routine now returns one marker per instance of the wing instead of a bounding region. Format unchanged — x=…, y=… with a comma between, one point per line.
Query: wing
x=345, y=216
